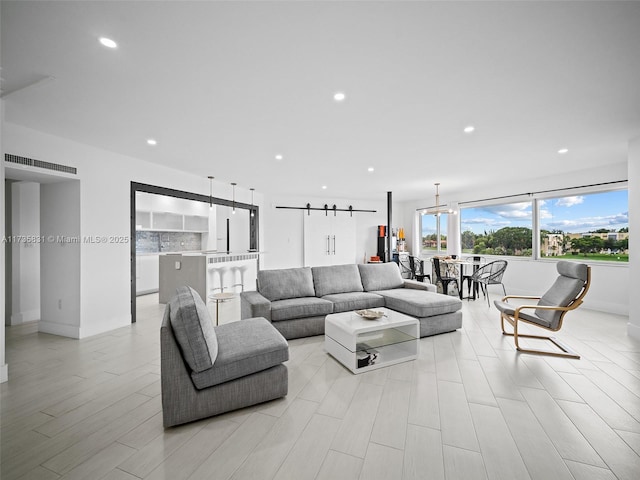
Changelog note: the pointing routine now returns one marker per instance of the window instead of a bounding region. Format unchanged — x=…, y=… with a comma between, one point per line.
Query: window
x=432, y=242
x=595, y=226
x=504, y=229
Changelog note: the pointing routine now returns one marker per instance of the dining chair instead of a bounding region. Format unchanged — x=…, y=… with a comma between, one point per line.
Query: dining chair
x=444, y=279
x=490, y=274
x=416, y=265
x=467, y=273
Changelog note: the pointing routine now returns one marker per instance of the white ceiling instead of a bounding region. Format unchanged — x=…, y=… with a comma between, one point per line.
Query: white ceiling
x=225, y=86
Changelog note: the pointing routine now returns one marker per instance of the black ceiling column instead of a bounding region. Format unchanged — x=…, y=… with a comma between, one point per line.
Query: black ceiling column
x=389, y=215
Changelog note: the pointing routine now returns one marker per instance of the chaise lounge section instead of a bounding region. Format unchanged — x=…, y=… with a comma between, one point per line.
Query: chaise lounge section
x=297, y=300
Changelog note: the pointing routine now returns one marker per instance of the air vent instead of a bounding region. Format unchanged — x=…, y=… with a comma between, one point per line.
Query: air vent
x=30, y=162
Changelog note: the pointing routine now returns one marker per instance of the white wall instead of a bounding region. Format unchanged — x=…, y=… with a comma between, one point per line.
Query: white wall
x=633, y=327
x=4, y=370
x=25, y=253
x=8, y=276
x=610, y=282
x=283, y=228
x=150, y=202
x=238, y=229
x=104, y=213
x=60, y=268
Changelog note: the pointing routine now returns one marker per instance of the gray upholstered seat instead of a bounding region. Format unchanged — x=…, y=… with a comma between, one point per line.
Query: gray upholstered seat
x=207, y=370
x=420, y=304
x=245, y=347
x=343, y=302
x=548, y=312
x=291, y=308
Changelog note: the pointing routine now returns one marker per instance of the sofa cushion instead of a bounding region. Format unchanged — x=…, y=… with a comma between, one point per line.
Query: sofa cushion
x=286, y=283
x=245, y=347
x=193, y=329
x=336, y=279
x=299, y=308
x=420, y=303
x=344, y=302
x=380, y=276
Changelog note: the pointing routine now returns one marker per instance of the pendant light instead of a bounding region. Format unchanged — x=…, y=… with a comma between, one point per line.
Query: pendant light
x=210, y=192
x=233, y=198
x=438, y=210
x=253, y=214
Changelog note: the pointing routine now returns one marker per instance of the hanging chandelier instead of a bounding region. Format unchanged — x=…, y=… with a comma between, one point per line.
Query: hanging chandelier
x=439, y=209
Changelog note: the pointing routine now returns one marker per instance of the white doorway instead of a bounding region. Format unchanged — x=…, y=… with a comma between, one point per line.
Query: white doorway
x=42, y=251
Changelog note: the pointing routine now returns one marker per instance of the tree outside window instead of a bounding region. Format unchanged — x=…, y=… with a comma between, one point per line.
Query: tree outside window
x=431, y=242
x=504, y=229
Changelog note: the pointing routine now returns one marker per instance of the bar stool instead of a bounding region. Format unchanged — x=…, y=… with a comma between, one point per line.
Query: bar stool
x=221, y=272
x=239, y=270
x=214, y=271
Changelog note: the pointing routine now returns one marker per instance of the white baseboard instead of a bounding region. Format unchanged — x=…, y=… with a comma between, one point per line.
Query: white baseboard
x=633, y=330
x=73, y=331
x=24, y=317
x=146, y=292
x=88, y=331
x=60, y=329
x=4, y=373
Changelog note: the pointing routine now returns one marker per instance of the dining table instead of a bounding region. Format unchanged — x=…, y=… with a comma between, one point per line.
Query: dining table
x=451, y=262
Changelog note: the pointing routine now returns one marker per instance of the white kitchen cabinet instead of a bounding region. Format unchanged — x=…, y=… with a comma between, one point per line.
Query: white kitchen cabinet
x=329, y=239
x=171, y=222
x=147, y=274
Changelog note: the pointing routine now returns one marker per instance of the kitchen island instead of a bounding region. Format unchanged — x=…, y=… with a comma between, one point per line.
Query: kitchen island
x=207, y=272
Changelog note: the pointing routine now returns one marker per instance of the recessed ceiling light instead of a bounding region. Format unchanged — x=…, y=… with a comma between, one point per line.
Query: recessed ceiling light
x=370, y=169
x=562, y=151
x=152, y=141
x=469, y=129
x=279, y=157
x=324, y=187
x=339, y=96
x=107, y=42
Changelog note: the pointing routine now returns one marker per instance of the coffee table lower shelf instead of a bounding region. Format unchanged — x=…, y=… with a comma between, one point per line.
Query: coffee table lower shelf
x=362, y=345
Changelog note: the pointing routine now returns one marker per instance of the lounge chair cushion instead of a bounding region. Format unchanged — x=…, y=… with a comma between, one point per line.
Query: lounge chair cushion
x=572, y=278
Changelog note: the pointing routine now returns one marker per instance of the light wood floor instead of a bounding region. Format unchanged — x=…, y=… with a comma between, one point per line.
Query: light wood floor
x=470, y=407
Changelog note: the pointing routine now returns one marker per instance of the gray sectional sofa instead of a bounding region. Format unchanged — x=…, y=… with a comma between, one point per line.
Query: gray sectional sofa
x=297, y=300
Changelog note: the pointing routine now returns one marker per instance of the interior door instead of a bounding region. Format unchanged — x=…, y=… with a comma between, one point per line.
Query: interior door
x=329, y=239
x=342, y=239
x=317, y=240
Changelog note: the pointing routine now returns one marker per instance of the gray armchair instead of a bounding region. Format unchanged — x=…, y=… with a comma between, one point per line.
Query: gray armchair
x=207, y=370
x=565, y=294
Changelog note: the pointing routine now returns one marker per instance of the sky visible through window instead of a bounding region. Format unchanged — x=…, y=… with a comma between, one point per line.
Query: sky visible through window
x=571, y=214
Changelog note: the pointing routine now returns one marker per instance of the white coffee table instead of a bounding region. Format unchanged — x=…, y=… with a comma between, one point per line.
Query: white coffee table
x=362, y=345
